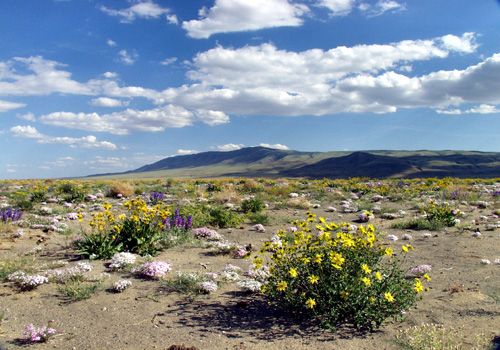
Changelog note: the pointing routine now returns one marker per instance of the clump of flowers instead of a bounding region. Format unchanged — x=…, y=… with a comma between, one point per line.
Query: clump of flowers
x=120, y=261
x=121, y=285
x=76, y=272
x=208, y=286
x=336, y=275
x=154, y=269
x=253, y=286
x=420, y=270
x=141, y=230
x=26, y=282
x=177, y=221
x=206, y=233
x=10, y=214
x=156, y=197
x=34, y=334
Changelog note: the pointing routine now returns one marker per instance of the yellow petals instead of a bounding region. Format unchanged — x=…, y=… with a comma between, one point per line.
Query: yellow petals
x=388, y=251
x=366, y=269
x=388, y=296
x=427, y=277
x=310, y=303
x=419, y=287
x=313, y=279
x=366, y=281
x=293, y=273
x=378, y=276
x=282, y=286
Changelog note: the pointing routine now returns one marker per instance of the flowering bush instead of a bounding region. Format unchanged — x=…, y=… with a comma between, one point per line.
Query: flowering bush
x=27, y=282
x=154, y=269
x=10, y=214
x=139, y=231
x=122, y=260
x=334, y=274
x=156, y=197
x=206, y=233
x=34, y=334
x=178, y=221
x=121, y=285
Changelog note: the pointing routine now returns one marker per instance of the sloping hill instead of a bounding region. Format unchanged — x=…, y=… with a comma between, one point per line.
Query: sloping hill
x=267, y=162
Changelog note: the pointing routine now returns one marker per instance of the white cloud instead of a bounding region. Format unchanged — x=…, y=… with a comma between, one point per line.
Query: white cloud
x=27, y=116
x=127, y=58
x=61, y=162
x=184, y=152
x=212, y=117
x=243, y=15
x=7, y=106
x=111, y=43
x=275, y=146
x=110, y=75
x=229, y=147
x=338, y=7
x=121, y=163
x=172, y=19
x=45, y=78
x=108, y=102
x=124, y=122
x=142, y=9
x=30, y=132
x=381, y=7
x=263, y=80
x=168, y=61
x=481, y=109
x=466, y=43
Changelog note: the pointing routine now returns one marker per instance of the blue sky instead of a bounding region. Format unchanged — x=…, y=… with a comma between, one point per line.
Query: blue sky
x=91, y=86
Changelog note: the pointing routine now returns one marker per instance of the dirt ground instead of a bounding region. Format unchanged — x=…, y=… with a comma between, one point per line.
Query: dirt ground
x=463, y=293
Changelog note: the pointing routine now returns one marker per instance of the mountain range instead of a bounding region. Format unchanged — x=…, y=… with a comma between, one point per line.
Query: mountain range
x=268, y=162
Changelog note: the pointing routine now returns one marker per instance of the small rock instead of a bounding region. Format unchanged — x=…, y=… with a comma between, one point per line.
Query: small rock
x=485, y=262
x=392, y=238
x=476, y=234
x=259, y=228
x=406, y=237
x=331, y=209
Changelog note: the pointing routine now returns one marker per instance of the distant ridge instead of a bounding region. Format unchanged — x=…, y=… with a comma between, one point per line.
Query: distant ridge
x=268, y=162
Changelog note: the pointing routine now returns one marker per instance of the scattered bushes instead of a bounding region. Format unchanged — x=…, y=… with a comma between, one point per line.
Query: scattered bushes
x=337, y=276
x=72, y=192
x=120, y=188
x=254, y=205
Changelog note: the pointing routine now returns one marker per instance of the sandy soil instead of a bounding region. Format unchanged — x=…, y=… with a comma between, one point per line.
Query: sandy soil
x=464, y=293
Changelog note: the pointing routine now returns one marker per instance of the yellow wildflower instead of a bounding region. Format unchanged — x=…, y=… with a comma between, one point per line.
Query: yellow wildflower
x=281, y=286
x=419, y=288
x=313, y=279
x=293, y=273
x=366, y=281
x=378, y=276
x=427, y=277
x=318, y=258
x=404, y=249
x=366, y=269
x=388, y=251
x=310, y=303
x=388, y=296
x=337, y=260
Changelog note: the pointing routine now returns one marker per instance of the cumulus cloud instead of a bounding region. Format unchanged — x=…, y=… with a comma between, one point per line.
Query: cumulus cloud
x=127, y=58
x=263, y=80
x=229, y=147
x=121, y=163
x=111, y=43
x=30, y=132
x=212, y=117
x=338, y=7
x=108, y=102
x=45, y=77
x=243, y=15
x=184, y=152
x=275, y=146
x=123, y=122
x=142, y=9
x=7, y=106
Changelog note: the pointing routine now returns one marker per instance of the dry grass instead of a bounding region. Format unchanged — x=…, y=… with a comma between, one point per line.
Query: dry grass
x=123, y=188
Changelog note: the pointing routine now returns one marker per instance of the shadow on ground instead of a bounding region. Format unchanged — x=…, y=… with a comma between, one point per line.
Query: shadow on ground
x=245, y=315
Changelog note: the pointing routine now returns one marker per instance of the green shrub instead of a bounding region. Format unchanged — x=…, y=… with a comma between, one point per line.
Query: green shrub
x=258, y=218
x=184, y=283
x=72, y=192
x=224, y=218
x=254, y=205
x=22, y=200
x=441, y=214
x=336, y=276
x=75, y=290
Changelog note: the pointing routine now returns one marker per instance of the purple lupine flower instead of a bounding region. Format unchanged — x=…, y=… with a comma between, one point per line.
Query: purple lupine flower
x=157, y=197
x=10, y=214
x=177, y=221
